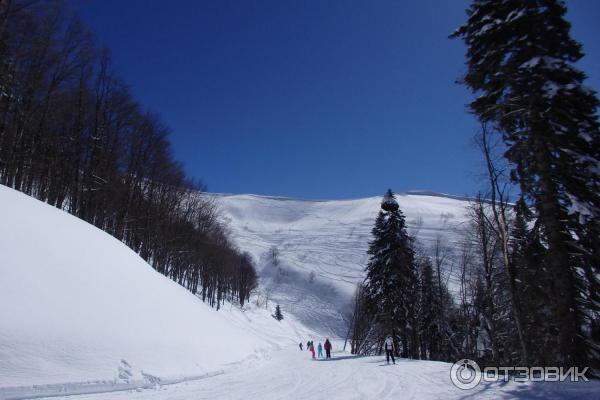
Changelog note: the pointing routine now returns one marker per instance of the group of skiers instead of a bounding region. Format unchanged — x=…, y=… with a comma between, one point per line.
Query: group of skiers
x=388, y=346
x=310, y=346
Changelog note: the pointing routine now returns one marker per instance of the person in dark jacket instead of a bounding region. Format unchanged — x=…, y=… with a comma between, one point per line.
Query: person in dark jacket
x=327, y=348
x=300, y=345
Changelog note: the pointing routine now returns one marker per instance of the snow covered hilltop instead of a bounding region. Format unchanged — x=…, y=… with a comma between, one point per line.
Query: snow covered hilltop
x=321, y=245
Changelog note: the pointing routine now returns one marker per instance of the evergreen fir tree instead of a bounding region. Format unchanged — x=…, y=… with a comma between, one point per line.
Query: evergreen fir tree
x=527, y=254
x=391, y=281
x=278, y=315
x=429, y=324
x=521, y=65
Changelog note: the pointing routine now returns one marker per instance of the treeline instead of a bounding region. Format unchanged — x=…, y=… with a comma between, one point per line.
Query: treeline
x=532, y=99
x=72, y=135
x=497, y=311
x=529, y=270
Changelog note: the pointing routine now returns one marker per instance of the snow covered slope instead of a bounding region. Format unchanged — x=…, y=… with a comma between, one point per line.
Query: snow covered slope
x=329, y=240
x=291, y=374
x=77, y=305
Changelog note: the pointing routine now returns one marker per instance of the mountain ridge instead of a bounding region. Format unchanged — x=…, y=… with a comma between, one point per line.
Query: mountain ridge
x=284, y=198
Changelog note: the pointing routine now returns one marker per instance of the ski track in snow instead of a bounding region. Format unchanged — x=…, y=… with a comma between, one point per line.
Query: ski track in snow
x=291, y=374
x=329, y=239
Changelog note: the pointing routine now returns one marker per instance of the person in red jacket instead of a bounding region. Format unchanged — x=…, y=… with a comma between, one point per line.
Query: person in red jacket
x=312, y=349
x=327, y=348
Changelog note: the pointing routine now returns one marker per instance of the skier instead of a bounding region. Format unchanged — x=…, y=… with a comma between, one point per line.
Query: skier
x=389, y=349
x=312, y=349
x=320, y=350
x=308, y=345
x=300, y=345
x=328, y=348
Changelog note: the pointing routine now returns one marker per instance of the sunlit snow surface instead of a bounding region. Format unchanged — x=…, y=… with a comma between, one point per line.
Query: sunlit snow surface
x=77, y=305
x=291, y=374
x=329, y=238
x=79, y=311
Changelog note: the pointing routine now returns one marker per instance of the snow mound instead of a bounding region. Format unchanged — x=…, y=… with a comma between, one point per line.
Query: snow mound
x=76, y=305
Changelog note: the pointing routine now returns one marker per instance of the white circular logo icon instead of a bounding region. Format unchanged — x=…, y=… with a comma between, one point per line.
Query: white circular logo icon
x=465, y=374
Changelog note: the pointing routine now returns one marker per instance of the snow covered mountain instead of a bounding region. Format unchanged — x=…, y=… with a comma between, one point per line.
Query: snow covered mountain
x=80, y=313
x=322, y=246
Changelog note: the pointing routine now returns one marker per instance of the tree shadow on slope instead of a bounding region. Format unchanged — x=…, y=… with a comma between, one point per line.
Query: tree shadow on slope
x=535, y=390
x=316, y=304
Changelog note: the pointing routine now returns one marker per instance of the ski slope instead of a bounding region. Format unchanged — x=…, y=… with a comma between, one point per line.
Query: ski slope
x=290, y=374
x=79, y=307
x=84, y=318
x=329, y=239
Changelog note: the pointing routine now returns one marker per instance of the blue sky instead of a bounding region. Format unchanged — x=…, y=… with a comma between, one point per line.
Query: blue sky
x=314, y=98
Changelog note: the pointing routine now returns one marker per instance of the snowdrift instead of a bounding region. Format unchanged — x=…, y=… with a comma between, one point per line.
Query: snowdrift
x=77, y=305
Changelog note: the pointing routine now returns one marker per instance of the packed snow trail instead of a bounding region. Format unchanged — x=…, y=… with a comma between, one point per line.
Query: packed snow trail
x=291, y=374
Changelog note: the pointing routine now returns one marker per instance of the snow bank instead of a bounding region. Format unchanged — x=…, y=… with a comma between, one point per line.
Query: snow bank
x=76, y=305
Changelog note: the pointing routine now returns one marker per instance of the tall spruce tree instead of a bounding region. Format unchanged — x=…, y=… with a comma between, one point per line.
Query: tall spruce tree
x=429, y=313
x=527, y=254
x=391, y=281
x=520, y=59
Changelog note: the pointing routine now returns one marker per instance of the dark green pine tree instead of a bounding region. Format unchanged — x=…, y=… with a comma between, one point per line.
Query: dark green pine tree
x=429, y=315
x=527, y=254
x=520, y=59
x=391, y=281
x=278, y=315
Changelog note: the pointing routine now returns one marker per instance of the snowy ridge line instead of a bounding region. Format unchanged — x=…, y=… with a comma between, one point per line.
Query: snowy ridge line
x=98, y=387
x=280, y=198
x=286, y=198
x=436, y=194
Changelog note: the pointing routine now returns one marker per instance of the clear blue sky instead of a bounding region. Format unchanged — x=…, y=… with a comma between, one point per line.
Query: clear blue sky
x=312, y=98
